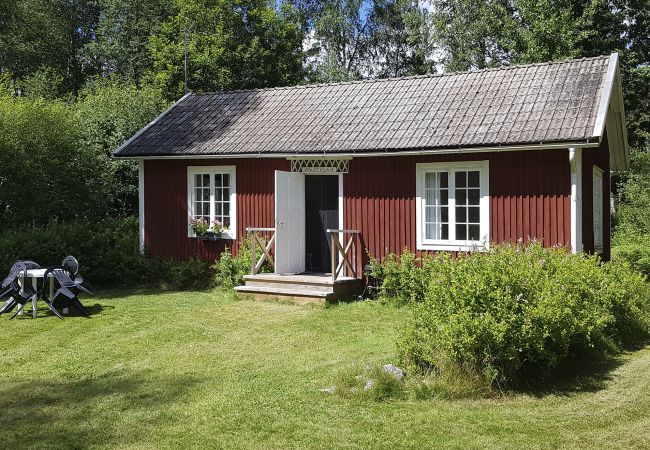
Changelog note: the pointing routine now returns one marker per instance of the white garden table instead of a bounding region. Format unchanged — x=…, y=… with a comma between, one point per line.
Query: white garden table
x=37, y=274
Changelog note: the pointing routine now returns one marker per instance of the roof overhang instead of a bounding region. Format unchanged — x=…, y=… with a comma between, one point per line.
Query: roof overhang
x=611, y=118
x=442, y=151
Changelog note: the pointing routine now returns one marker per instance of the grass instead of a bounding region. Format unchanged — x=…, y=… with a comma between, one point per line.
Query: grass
x=176, y=370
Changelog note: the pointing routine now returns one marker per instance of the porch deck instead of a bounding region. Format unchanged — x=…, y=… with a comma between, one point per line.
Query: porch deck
x=302, y=288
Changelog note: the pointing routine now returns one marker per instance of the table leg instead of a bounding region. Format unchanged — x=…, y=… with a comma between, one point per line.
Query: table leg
x=34, y=297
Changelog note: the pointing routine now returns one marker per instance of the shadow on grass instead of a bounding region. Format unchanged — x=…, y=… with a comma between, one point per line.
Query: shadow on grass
x=109, y=410
x=573, y=376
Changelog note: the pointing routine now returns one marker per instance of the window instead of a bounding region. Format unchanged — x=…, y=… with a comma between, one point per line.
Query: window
x=452, y=205
x=211, y=196
x=598, y=208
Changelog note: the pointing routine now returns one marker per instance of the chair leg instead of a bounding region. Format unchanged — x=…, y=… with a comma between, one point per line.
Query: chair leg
x=81, y=308
x=8, y=306
x=54, y=310
x=18, y=310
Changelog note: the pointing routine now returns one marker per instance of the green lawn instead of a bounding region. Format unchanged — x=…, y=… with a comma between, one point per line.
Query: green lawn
x=196, y=369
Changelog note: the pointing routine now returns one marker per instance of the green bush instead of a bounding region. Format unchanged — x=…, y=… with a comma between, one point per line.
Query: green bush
x=229, y=270
x=636, y=252
x=523, y=309
x=403, y=278
x=107, y=250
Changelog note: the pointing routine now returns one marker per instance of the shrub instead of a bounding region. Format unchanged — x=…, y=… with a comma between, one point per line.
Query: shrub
x=186, y=275
x=635, y=252
x=522, y=309
x=229, y=270
x=107, y=249
x=403, y=279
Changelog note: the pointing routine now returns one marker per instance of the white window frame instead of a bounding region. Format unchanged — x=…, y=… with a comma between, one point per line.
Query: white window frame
x=598, y=174
x=212, y=171
x=422, y=243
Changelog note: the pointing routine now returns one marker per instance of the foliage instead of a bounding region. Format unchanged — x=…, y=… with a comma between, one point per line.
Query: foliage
x=523, y=310
x=632, y=228
x=230, y=45
x=187, y=275
x=404, y=279
x=45, y=174
x=229, y=270
x=108, y=113
x=107, y=250
x=122, y=44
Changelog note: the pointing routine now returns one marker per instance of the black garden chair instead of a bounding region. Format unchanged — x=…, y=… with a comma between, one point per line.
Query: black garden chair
x=67, y=294
x=11, y=287
x=71, y=265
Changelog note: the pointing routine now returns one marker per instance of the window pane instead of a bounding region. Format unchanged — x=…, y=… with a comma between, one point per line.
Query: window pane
x=461, y=232
x=226, y=194
x=218, y=209
x=444, y=232
x=444, y=180
x=474, y=215
x=218, y=194
x=444, y=214
x=430, y=215
x=474, y=196
x=461, y=214
x=473, y=179
x=430, y=180
x=206, y=195
x=217, y=180
x=197, y=180
x=474, y=232
x=226, y=209
x=206, y=180
x=461, y=196
x=461, y=179
x=432, y=231
x=226, y=180
x=444, y=197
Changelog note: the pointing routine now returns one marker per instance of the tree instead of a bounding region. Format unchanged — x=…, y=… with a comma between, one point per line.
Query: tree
x=47, y=35
x=401, y=41
x=122, y=44
x=231, y=44
x=473, y=34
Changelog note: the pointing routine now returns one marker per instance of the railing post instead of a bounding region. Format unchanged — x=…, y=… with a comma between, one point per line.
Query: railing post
x=334, y=251
x=253, y=237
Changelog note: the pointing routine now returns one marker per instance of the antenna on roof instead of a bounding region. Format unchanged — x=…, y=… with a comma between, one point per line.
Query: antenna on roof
x=185, y=56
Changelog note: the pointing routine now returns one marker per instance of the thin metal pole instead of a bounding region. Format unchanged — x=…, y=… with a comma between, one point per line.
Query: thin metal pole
x=185, y=56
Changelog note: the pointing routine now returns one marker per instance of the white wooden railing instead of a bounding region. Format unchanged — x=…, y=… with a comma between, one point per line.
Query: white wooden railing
x=348, y=258
x=255, y=234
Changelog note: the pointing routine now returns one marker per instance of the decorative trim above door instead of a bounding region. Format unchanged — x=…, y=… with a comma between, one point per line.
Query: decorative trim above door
x=320, y=165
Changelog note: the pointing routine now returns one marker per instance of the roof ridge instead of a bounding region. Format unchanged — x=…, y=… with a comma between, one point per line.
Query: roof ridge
x=409, y=77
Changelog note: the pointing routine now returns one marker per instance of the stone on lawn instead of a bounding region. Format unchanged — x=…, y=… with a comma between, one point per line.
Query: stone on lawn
x=394, y=371
x=329, y=390
x=369, y=384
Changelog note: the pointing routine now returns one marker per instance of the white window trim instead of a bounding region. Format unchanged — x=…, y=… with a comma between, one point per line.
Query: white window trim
x=598, y=246
x=454, y=245
x=212, y=170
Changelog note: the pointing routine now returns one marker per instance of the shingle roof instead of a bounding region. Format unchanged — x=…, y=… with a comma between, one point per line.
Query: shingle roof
x=538, y=103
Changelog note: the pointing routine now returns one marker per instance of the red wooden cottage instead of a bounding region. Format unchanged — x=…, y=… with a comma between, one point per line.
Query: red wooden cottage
x=437, y=162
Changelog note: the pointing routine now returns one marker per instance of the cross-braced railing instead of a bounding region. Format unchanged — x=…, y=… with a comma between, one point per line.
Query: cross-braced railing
x=255, y=235
x=348, y=259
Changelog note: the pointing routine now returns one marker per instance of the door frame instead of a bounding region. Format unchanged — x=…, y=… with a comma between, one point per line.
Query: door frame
x=340, y=201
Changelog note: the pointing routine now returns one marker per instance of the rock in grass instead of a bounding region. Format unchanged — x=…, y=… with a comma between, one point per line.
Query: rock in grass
x=369, y=384
x=329, y=390
x=394, y=371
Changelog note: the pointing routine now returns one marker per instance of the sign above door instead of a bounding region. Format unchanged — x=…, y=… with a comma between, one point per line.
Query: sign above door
x=320, y=165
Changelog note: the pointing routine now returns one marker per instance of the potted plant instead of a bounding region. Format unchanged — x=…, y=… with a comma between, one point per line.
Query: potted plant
x=199, y=227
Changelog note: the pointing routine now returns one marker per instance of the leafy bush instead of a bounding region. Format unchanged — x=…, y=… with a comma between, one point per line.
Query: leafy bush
x=404, y=278
x=229, y=270
x=523, y=310
x=188, y=275
x=107, y=250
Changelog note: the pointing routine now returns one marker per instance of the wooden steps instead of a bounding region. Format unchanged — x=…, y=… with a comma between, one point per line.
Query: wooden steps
x=304, y=288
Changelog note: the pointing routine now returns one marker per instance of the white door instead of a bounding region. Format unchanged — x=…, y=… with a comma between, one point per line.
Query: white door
x=289, y=222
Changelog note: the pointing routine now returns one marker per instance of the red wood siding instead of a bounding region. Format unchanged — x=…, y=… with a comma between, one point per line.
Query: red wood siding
x=529, y=198
x=165, y=184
